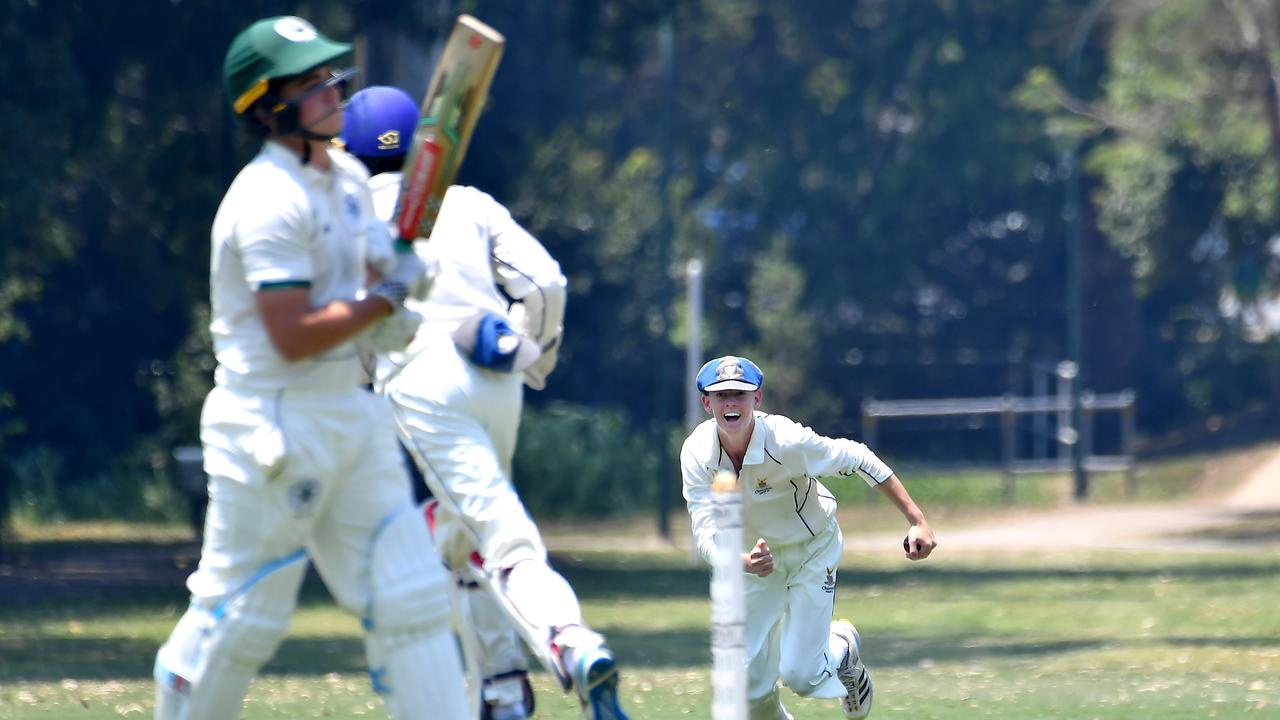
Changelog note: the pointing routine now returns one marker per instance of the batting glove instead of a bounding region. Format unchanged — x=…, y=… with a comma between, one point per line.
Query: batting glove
x=416, y=275
x=392, y=333
x=392, y=291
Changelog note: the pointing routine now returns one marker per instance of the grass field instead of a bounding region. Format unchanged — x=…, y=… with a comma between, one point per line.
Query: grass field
x=1017, y=636
x=1090, y=635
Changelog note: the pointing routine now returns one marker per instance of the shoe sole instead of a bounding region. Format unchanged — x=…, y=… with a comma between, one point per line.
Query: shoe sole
x=600, y=688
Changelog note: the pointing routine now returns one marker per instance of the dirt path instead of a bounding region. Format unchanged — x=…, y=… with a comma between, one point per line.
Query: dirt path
x=1239, y=507
x=1247, y=514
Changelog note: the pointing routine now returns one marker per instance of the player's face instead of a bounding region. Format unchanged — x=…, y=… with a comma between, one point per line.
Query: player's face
x=319, y=101
x=732, y=409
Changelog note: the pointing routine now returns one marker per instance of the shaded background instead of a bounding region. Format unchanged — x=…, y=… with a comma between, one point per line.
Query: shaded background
x=877, y=190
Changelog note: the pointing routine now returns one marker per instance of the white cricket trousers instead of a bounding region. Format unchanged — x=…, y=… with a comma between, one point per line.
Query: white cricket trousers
x=788, y=633
x=460, y=423
x=308, y=474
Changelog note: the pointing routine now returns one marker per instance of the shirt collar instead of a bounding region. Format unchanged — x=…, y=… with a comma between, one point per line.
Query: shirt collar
x=290, y=161
x=755, y=446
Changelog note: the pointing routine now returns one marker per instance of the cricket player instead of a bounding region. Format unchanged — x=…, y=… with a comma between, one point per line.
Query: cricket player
x=791, y=564
x=492, y=324
x=302, y=461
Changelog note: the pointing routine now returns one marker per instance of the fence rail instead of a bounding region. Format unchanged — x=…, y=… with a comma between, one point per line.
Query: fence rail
x=1009, y=407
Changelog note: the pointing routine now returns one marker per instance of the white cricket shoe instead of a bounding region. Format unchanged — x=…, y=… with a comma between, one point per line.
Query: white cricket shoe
x=595, y=677
x=852, y=673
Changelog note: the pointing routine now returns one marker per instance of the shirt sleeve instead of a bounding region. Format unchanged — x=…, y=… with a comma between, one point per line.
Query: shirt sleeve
x=835, y=456
x=697, y=495
x=521, y=264
x=274, y=247
x=532, y=280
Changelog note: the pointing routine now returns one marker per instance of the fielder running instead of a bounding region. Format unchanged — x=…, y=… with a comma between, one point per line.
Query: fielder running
x=302, y=462
x=792, y=563
x=492, y=324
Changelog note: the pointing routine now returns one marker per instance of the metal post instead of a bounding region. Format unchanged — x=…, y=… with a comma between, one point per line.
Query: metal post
x=1128, y=420
x=665, y=291
x=1086, y=426
x=1075, y=323
x=1067, y=435
x=1040, y=420
x=693, y=412
x=1008, y=448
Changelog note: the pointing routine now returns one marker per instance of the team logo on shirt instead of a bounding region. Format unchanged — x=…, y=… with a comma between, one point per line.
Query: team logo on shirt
x=762, y=486
x=829, y=585
x=352, y=206
x=302, y=496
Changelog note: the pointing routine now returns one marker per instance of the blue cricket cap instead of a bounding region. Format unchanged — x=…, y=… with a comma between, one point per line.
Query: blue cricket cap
x=730, y=373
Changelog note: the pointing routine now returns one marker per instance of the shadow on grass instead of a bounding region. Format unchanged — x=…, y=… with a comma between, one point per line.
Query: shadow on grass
x=85, y=581
x=102, y=577
x=51, y=659
x=36, y=659
x=1262, y=526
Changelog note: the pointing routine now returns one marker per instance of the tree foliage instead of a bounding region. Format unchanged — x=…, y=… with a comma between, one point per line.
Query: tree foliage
x=1187, y=157
x=875, y=190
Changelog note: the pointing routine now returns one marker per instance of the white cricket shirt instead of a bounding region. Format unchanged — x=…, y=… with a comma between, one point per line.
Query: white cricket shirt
x=486, y=260
x=284, y=224
x=783, y=501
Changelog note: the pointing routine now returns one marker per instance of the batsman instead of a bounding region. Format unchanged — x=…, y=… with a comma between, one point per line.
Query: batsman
x=794, y=542
x=301, y=459
x=491, y=325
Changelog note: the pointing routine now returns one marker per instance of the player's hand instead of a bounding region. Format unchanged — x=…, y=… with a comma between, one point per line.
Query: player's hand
x=919, y=541
x=760, y=560
x=413, y=273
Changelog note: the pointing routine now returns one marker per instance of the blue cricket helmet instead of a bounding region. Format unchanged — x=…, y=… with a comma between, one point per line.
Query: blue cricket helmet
x=379, y=122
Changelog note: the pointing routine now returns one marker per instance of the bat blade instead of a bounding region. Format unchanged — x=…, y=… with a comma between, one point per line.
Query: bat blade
x=452, y=105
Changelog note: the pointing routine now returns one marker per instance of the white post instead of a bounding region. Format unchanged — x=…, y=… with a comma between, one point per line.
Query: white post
x=1068, y=434
x=728, y=604
x=693, y=413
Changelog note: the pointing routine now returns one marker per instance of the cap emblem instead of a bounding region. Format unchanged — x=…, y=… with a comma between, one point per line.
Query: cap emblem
x=729, y=370
x=389, y=140
x=295, y=29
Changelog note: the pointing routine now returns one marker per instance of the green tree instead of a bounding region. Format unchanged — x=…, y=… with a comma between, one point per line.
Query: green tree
x=1187, y=158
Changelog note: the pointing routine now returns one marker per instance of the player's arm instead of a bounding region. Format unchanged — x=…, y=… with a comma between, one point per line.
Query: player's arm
x=841, y=456
x=272, y=244
x=532, y=278
x=525, y=270
x=832, y=456
x=920, y=540
x=298, y=331
x=697, y=495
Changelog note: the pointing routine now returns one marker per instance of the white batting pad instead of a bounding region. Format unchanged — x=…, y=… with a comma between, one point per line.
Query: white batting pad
x=204, y=669
x=413, y=659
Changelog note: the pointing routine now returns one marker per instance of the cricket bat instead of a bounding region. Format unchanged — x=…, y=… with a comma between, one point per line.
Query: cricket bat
x=450, y=109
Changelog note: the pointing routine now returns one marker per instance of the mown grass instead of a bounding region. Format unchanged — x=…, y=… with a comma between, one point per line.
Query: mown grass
x=1088, y=635
x=1042, y=634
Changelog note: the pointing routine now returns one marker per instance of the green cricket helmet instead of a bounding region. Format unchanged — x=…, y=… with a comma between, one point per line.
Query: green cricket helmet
x=270, y=49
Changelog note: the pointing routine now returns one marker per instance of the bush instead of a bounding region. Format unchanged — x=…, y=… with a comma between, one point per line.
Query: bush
x=575, y=461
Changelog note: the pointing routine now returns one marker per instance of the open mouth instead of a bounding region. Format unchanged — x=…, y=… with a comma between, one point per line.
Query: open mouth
x=732, y=417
